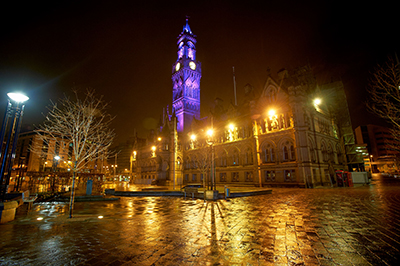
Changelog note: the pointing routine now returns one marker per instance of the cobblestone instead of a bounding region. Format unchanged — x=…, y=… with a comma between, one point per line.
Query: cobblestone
x=338, y=226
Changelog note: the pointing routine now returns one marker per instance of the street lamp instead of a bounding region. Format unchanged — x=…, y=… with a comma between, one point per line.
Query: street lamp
x=210, y=134
x=10, y=130
x=55, y=164
x=192, y=140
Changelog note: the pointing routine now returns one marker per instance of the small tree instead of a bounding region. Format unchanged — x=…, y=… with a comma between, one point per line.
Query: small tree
x=85, y=124
x=384, y=100
x=202, y=160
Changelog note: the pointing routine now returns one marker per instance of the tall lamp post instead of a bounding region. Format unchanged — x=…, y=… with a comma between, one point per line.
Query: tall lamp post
x=210, y=133
x=55, y=165
x=9, y=132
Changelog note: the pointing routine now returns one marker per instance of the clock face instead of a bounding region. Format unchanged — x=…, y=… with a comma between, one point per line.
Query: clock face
x=192, y=65
x=177, y=66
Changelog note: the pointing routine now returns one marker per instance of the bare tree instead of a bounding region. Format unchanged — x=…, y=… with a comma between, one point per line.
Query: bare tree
x=85, y=124
x=384, y=98
x=202, y=160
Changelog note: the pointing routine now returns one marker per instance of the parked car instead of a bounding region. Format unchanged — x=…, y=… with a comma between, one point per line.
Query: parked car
x=192, y=186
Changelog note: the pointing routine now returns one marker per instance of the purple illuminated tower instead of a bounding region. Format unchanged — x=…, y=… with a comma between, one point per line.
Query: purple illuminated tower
x=186, y=75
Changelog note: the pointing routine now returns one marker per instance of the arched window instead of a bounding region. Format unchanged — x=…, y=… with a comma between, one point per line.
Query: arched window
x=292, y=153
x=248, y=156
x=268, y=153
x=285, y=153
x=187, y=163
x=235, y=157
x=194, y=162
x=313, y=156
x=339, y=154
x=222, y=159
x=324, y=151
x=331, y=155
x=289, y=153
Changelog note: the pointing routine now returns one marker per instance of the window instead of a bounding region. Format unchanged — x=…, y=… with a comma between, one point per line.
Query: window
x=269, y=176
x=222, y=177
x=269, y=154
x=223, y=160
x=290, y=175
x=324, y=151
x=292, y=153
x=186, y=177
x=194, y=177
x=248, y=156
x=313, y=156
x=187, y=163
x=235, y=157
x=288, y=152
x=285, y=153
x=248, y=176
x=235, y=177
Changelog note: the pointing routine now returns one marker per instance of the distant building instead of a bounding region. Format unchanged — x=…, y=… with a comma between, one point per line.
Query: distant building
x=379, y=141
x=291, y=132
x=37, y=158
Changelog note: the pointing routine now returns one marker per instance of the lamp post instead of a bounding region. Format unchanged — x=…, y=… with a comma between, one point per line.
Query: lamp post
x=210, y=133
x=19, y=178
x=55, y=164
x=10, y=130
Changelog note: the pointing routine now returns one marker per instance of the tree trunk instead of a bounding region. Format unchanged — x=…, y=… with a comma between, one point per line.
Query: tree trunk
x=71, y=202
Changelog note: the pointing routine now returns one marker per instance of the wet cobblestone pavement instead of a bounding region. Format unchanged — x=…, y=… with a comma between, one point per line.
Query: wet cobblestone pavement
x=339, y=226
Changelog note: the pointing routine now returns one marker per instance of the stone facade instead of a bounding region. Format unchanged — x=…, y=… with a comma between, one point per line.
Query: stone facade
x=277, y=136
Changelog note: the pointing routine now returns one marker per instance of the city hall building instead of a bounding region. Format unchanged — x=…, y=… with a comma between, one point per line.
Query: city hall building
x=294, y=133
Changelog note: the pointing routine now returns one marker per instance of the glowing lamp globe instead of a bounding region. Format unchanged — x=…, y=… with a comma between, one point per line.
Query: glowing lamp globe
x=18, y=97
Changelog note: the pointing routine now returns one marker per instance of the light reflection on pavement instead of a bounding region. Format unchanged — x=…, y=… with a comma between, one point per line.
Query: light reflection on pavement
x=340, y=226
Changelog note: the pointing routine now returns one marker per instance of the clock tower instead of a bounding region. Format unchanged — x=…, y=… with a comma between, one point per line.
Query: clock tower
x=186, y=75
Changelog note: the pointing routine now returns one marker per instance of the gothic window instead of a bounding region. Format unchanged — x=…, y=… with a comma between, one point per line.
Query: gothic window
x=292, y=153
x=271, y=94
x=285, y=153
x=223, y=159
x=339, y=154
x=194, y=162
x=313, y=151
x=288, y=152
x=324, y=151
x=187, y=163
x=331, y=155
x=235, y=157
x=248, y=156
x=269, y=154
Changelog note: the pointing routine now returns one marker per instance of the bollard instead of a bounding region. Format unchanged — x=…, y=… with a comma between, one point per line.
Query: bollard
x=226, y=192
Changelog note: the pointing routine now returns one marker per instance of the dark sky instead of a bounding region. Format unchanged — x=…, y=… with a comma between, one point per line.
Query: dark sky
x=125, y=50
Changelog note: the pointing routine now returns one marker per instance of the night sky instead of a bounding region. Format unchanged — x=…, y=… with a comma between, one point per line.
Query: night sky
x=125, y=51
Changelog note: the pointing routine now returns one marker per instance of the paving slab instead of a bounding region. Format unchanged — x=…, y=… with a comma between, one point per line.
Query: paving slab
x=326, y=226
